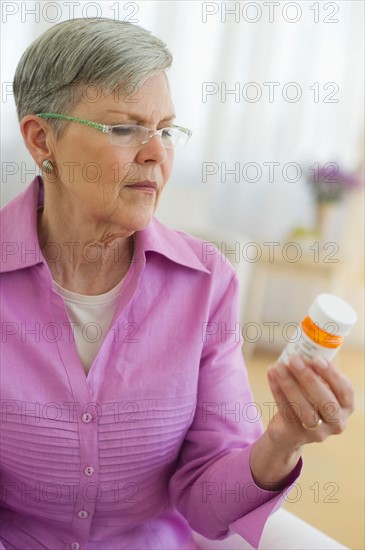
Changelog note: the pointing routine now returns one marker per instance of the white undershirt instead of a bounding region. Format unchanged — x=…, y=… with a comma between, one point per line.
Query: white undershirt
x=93, y=315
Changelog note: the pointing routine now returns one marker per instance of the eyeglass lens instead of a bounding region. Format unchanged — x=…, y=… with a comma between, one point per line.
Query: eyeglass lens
x=130, y=136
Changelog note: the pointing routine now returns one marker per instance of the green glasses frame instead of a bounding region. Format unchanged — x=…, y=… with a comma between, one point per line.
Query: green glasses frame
x=108, y=129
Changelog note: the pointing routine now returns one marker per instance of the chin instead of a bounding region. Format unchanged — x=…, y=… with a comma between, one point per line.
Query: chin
x=138, y=222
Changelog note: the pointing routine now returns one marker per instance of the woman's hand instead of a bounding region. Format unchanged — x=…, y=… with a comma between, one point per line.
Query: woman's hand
x=314, y=401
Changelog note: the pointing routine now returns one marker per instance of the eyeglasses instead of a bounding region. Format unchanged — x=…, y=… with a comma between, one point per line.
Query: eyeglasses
x=131, y=135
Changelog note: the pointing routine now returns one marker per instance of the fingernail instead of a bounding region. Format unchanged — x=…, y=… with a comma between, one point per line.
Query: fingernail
x=270, y=374
x=272, y=366
x=282, y=371
x=297, y=363
x=320, y=362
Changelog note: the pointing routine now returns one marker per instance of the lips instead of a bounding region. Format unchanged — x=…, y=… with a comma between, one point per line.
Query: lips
x=143, y=184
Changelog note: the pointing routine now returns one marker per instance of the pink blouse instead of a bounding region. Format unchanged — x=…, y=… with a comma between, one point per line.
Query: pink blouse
x=155, y=440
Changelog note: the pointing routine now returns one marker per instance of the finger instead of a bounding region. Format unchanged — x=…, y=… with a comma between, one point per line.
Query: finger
x=285, y=407
x=275, y=388
x=291, y=421
x=305, y=408
x=339, y=383
x=321, y=397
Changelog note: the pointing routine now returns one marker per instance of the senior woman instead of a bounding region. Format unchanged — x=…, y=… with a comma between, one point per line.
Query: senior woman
x=124, y=422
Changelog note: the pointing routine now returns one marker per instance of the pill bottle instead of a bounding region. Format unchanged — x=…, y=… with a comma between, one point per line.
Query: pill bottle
x=322, y=331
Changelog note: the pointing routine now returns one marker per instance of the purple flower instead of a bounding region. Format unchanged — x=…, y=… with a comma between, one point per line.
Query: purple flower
x=329, y=183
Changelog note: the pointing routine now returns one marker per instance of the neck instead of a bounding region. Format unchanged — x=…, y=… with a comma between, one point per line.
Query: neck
x=81, y=257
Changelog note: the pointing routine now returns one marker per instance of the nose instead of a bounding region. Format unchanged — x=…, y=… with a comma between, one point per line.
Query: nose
x=151, y=134
x=152, y=149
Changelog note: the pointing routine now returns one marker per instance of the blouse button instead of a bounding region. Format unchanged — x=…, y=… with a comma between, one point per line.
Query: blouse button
x=75, y=546
x=87, y=417
x=83, y=514
x=89, y=470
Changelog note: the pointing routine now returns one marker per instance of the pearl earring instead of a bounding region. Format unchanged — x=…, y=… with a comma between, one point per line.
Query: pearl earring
x=47, y=166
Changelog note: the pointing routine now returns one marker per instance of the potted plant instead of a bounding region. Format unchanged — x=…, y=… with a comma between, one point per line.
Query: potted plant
x=329, y=185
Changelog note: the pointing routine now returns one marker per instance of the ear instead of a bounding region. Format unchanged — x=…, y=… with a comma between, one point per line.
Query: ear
x=38, y=138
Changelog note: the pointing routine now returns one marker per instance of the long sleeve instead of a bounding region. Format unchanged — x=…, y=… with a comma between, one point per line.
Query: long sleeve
x=212, y=486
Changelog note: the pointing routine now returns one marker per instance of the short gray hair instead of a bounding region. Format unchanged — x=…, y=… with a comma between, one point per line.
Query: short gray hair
x=110, y=55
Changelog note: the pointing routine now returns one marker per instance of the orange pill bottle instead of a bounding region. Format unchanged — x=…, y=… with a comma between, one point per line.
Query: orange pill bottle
x=322, y=332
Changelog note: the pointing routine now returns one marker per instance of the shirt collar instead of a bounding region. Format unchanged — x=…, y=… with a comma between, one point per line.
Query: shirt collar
x=19, y=237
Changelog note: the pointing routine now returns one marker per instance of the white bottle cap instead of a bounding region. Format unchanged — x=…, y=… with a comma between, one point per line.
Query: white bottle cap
x=328, y=308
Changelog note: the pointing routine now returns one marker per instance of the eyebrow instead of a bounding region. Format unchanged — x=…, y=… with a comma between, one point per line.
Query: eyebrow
x=136, y=116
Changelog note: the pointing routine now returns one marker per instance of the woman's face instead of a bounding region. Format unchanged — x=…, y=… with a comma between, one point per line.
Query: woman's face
x=96, y=176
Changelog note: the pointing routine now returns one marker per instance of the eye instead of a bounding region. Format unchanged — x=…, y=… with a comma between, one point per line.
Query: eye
x=123, y=130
